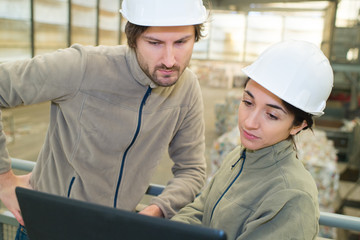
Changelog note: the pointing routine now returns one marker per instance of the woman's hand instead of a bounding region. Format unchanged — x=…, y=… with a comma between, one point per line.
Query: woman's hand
x=152, y=210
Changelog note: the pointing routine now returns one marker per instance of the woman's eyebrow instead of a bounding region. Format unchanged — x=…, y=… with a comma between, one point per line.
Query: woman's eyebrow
x=276, y=107
x=270, y=105
x=249, y=93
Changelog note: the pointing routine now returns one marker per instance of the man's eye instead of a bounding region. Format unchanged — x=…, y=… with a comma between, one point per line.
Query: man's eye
x=154, y=43
x=180, y=42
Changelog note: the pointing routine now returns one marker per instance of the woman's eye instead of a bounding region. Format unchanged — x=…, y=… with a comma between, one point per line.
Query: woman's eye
x=273, y=117
x=247, y=103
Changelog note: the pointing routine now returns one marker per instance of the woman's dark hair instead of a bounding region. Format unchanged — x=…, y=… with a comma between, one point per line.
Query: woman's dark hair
x=133, y=31
x=300, y=116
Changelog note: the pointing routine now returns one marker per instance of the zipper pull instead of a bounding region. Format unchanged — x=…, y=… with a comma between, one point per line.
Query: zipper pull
x=243, y=155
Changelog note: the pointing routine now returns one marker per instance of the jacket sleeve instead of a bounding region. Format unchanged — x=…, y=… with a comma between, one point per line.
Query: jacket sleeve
x=289, y=215
x=49, y=77
x=193, y=213
x=187, y=151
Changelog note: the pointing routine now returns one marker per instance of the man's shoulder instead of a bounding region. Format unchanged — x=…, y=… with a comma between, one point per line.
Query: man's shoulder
x=115, y=50
x=188, y=73
x=189, y=78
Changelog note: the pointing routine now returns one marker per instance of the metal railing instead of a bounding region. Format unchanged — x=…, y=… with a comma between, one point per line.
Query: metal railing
x=326, y=219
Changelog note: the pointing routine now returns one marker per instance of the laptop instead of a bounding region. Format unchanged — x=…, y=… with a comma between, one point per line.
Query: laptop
x=52, y=217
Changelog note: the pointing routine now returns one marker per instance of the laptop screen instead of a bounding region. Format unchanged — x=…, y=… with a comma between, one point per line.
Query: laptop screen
x=51, y=217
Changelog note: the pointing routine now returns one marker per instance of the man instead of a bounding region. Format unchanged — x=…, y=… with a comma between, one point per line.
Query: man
x=114, y=112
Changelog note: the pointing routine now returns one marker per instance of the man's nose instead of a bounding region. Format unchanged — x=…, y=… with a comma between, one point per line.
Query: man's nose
x=169, y=56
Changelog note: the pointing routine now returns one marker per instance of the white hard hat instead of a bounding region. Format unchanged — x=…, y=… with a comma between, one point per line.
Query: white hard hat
x=297, y=72
x=164, y=12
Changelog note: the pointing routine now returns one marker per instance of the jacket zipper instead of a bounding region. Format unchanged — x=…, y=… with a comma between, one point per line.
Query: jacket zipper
x=148, y=91
x=243, y=156
x=70, y=186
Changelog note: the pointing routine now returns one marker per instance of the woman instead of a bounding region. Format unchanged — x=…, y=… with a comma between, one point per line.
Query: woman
x=262, y=191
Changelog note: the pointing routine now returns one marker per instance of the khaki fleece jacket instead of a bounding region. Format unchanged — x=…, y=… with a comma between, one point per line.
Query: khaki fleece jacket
x=110, y=125
x=263, y=194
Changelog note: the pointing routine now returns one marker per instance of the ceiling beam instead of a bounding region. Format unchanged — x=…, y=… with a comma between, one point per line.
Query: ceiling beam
x=245, y=4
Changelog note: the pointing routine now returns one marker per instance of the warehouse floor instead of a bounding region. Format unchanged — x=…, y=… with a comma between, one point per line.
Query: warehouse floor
x=26, y=128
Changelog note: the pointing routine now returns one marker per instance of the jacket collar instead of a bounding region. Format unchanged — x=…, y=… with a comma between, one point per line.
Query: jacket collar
x=269, y=156
x=135, y=69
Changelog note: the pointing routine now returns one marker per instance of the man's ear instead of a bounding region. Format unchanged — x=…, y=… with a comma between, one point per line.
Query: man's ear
x=296, y=129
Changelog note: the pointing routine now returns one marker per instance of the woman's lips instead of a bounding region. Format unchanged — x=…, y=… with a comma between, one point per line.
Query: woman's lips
x=249, y=135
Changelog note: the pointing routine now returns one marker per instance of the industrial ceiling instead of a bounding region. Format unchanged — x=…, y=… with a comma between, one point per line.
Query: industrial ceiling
x=239, y=5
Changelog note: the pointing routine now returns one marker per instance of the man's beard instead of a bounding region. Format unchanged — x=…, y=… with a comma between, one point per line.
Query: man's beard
x=175, y=70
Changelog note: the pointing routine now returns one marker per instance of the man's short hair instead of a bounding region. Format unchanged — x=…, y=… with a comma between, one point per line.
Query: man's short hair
x=133, y=31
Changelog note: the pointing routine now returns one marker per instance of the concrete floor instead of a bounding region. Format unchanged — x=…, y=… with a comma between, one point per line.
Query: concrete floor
x=31, y=122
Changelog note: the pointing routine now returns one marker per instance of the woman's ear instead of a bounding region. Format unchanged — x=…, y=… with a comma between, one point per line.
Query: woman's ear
x=296, y=129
